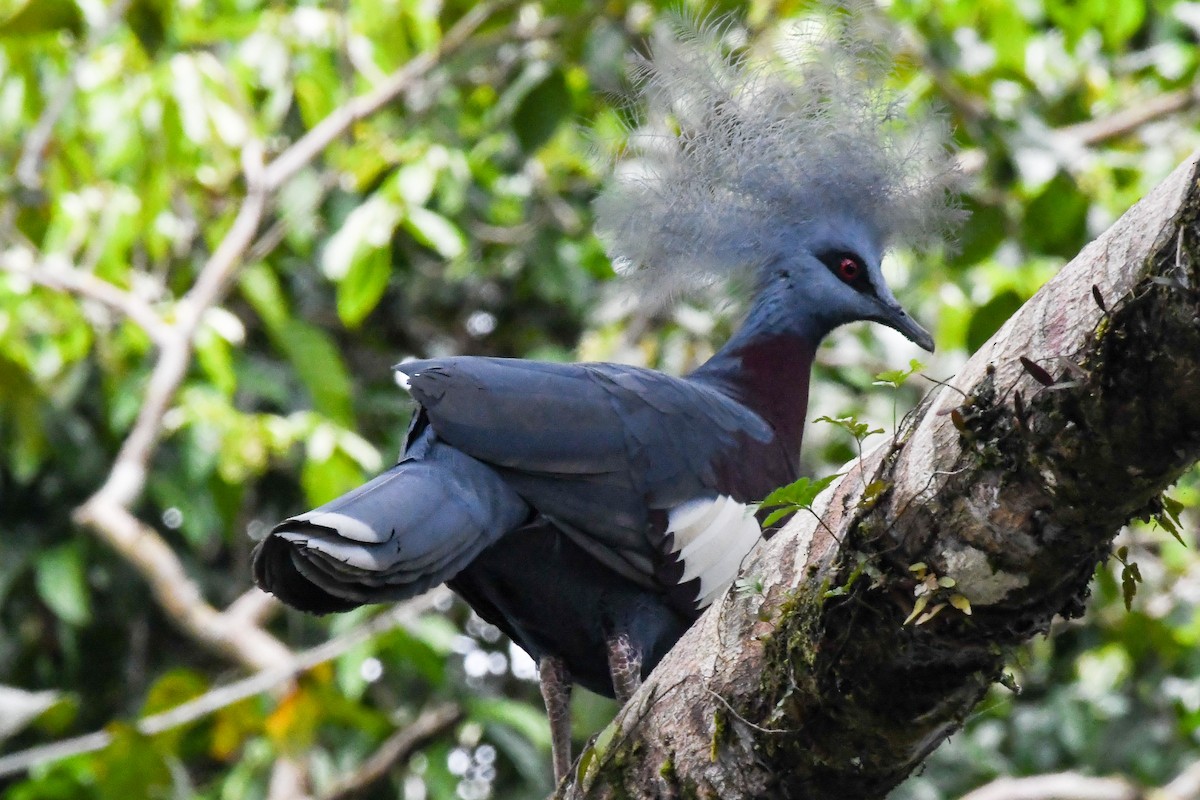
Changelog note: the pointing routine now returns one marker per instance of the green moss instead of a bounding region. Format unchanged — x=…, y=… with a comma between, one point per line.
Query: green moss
x=718, y=734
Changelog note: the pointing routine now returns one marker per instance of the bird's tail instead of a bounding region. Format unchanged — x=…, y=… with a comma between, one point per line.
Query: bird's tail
x=411, y=528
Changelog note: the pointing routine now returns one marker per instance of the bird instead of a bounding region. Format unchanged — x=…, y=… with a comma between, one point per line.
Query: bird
x=592, y=511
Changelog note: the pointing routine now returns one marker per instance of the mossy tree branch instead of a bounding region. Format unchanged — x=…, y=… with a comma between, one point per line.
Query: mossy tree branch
x=1005, y=489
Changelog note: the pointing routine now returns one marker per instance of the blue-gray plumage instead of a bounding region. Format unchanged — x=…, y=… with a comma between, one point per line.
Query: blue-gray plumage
x=592, y=511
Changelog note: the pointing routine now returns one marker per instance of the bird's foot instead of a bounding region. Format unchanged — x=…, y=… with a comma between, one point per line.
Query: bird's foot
x=625, y=666
x=556, y=694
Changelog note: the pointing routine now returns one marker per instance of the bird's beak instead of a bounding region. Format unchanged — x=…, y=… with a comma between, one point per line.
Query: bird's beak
x=892, y=315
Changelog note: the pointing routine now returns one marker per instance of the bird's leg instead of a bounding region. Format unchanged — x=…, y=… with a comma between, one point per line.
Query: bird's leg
x=556, y=694
x=625, y=666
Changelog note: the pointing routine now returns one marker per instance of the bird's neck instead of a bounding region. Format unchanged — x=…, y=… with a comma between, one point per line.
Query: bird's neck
x=766, y=367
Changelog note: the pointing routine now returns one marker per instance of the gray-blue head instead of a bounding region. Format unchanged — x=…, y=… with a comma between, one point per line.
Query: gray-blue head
x=791, y=161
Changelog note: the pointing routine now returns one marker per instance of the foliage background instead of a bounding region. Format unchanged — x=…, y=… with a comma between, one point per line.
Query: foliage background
x=456, y=219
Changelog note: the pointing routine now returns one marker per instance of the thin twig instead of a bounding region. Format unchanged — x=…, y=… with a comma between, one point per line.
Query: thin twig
x=1128, y=120
x=128, y=475
x=325, y=132
x=29, y=166
x=84, y=284
x=1098, y=131
x=106, y=512
x=396, y=749
x=401, y=615
x=175, y=591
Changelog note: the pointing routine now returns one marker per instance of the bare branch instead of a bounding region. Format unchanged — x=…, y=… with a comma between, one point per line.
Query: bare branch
x=1128, y=120
x=309, y=146
x=396, y=749
x=1060, y=786
x=289, y=780
x=1098, y=131
x=1185, y=786
x=71, y=280
x=253, y=607
x=176, y=592
x=128, y=476
x=402, y=615
x=29, y=166
x=1073, y=786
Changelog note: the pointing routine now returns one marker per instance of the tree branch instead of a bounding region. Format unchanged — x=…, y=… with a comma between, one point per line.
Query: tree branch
x=1073, y=786
x=1059, y=786
x=1127, y=120
x=1095, y=132
x=396, y=749
x=106, y=511
x=401, y=615
x=1008, y=489
x=323, y=134
x=29, y=166
x=72, y=280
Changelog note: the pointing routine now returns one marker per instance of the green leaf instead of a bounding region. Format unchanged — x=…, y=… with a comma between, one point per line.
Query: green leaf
x=541, y=111
x=148, y=20
x=983, y=232
x=801, y=493
x=896, y=377
x=38, y=17
x=361, y=290
x=317, y=361
x=918, y=607
x=850, y=424
x=988, y=318
x=435, y=231
x=261, y=289
x=526, y=720
x=59, y=578
x=1056, y=220
x=131, y=766
x=777, y=515
x=326, y=478
x=1119, y=19
x=961, y=603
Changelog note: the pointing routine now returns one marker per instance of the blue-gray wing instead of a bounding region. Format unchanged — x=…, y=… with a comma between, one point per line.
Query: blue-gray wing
x=597, y=448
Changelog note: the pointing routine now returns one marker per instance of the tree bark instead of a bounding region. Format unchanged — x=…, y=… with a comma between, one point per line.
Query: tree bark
x=1011, y=488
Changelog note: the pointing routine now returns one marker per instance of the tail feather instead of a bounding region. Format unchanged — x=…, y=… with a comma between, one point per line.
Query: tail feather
x=409, y=529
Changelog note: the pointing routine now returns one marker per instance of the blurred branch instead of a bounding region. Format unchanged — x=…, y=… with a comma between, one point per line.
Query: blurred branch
x=289, y=780
x=396, y=749
x=128, y=476
x=175, y=591
x=19, y=707
x=79, y=282
x=1073, y=786
x=29, y=166
x=309, y=146
x=1128, y=120
x=253, y=607
x=1185, y=786
x=398, y=616
x=106, y=512
x=1098, y=131
x=1060, y=786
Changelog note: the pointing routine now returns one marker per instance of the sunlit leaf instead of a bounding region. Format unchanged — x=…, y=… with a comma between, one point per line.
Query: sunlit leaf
x=435, y=231
x=61, y=584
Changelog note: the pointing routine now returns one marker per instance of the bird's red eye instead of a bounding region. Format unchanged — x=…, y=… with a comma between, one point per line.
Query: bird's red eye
x=849, y=270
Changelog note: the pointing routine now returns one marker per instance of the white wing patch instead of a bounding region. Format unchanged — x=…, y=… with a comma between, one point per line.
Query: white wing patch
x=711, y=537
